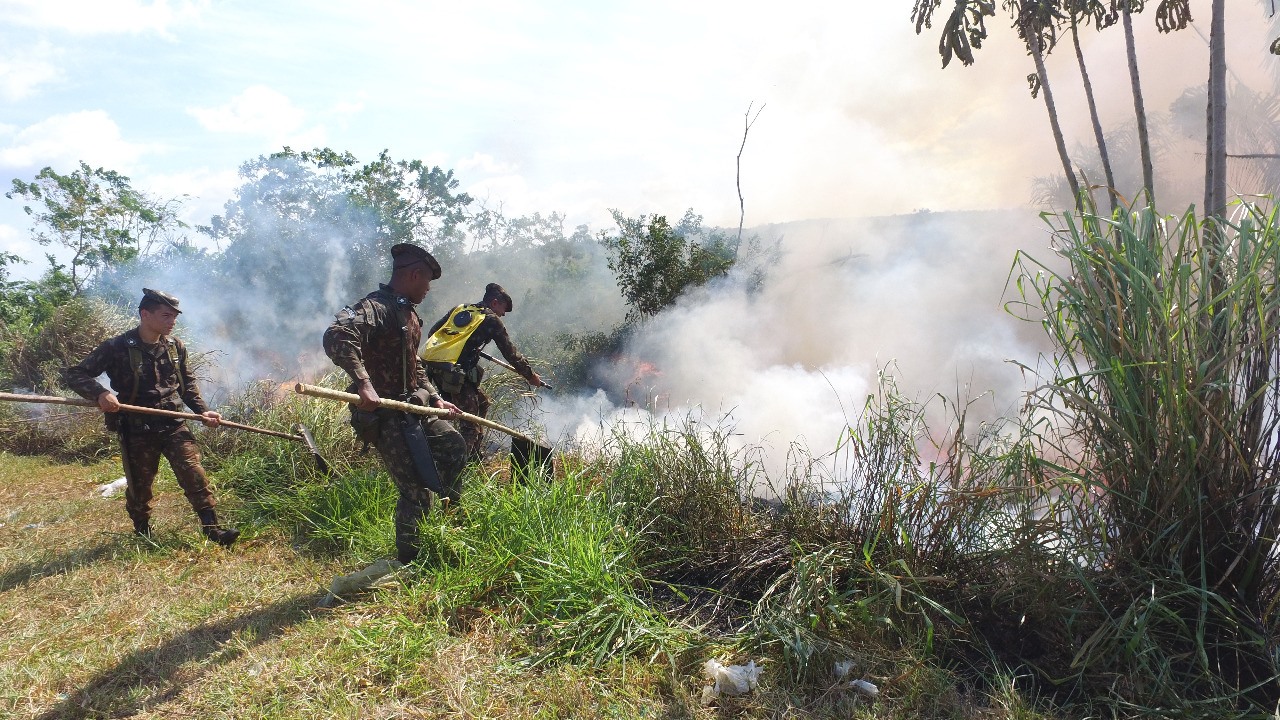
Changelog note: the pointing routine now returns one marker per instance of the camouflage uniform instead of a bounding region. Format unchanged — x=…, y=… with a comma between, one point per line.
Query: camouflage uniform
x=377, y=340
x=161, y=379
x=460, y=383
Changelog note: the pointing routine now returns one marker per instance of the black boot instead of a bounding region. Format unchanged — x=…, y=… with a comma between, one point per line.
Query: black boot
x=209, y=526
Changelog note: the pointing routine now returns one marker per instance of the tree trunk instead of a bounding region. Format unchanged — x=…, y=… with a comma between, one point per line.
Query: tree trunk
x=1215, y=164
x=1144, y=141
x=1093, y=115
x=1034, y=44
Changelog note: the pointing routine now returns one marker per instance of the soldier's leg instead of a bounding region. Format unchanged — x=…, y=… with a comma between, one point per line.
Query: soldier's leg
x=449, y=450
x=414, y=500
x=183, y=454
x=470, y=400
x=140, y=454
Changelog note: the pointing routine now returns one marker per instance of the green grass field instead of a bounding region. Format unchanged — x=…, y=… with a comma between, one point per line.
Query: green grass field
x=98, y=623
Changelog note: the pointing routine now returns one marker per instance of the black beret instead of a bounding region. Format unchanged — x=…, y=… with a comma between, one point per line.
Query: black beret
x=152, y=297
x=493, y=291
x=406, y=254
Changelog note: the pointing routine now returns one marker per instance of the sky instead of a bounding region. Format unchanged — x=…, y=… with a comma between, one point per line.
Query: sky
x=570, y=107
x=583, y=107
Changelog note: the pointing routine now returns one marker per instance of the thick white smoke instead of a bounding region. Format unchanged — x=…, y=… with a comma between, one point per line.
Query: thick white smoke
x=793, y=360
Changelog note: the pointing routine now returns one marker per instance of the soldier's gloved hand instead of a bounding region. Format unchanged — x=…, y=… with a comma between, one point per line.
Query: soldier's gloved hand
x=211, y=418
x=108, y=402
x=421, y=396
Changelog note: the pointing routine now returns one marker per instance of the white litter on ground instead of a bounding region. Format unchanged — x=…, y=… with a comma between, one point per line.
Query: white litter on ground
x=107, y=490
x=729, y=679
x=344, y=586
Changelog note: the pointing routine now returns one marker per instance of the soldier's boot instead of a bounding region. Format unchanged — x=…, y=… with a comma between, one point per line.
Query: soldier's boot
x=215, y=532
x=142, y=526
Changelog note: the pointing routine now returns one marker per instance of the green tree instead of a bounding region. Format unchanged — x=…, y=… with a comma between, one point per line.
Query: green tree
x=97, y=216
x=655, y=263
x=336, y=208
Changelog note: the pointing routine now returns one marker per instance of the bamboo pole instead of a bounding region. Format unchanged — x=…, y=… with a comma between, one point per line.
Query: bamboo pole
x=315, y=391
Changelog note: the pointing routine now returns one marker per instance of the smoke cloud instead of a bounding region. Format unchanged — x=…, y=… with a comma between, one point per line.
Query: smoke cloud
x=793, y=361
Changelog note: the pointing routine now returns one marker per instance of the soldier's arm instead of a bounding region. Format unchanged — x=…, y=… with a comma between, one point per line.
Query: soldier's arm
x=344, y=339
x=498, y=331
x=190, y=389
x=82, y=378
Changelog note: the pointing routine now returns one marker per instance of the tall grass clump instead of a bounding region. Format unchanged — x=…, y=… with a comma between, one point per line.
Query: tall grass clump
x=908, y=537
x=689, y=492
x=32, y=356
x=555, y=560
x=1164, y=390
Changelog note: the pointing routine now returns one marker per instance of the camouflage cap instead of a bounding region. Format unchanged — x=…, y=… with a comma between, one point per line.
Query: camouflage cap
x=406, y=254
x=154, y=297
x=493, y=291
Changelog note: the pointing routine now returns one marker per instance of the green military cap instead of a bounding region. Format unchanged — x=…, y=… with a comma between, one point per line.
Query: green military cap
x=406, y=254
x=152, y=297
x=492, y=291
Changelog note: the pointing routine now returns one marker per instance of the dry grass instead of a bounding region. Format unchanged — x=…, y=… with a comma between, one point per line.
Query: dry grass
x=99, y=623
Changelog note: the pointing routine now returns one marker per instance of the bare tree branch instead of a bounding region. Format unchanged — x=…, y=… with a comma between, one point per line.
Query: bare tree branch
x=748, y=120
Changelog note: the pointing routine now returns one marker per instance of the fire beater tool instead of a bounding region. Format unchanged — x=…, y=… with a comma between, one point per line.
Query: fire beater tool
x=508, y=366
x=526, y=453
x=303, y=437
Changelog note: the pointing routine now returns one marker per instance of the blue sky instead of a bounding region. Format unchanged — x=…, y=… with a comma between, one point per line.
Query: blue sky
x=575, y=107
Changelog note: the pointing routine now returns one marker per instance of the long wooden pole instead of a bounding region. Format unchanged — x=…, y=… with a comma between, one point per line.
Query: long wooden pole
x=54, y=400
x=320, y=392
x=508, y=366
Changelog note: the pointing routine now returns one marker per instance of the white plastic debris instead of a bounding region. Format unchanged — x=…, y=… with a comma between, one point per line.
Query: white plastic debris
x=865, y=687
x=344, y=586
x=729, y=679
x=107, y=490
x=843, y=670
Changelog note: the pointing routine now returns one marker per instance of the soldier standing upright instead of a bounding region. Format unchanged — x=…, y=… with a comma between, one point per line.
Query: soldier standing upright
x=148, y=367
x=452, y=355
x=376, y=342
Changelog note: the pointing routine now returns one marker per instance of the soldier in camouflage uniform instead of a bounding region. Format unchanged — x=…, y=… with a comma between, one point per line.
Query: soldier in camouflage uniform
x=148, y=367
x=452, y=355
x=376, y=342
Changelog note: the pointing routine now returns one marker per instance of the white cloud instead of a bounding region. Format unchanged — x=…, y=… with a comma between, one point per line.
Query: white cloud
x=263, y=112
x=62, y=141
x=22, y=72
x=103, y=17
x=18, y=241
x=205, y=191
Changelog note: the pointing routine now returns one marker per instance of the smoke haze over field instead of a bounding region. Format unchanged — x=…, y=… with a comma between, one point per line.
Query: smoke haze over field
x=919, y=296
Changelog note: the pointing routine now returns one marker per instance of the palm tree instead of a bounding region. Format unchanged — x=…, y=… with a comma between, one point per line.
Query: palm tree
x=1125, y=9
x=1215, y=170
x=1035, y=21
x=1083, y=11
